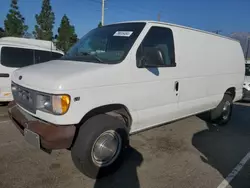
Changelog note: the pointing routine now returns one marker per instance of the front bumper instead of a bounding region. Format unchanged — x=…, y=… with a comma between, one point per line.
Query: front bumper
x=246, y=94
x=50, y=136
x=6, y=97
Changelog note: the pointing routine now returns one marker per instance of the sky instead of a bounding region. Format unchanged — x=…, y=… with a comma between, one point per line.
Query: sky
x=210, y=15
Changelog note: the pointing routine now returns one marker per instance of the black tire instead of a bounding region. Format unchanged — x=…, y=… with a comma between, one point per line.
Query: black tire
x=87, y=135
x=219, y=115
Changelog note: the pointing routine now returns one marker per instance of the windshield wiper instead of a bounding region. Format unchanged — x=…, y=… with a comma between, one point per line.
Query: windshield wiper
x=93, y=55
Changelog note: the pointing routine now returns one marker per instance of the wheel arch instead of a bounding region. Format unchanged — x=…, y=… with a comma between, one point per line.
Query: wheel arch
x=116, y=110
x=231, y=91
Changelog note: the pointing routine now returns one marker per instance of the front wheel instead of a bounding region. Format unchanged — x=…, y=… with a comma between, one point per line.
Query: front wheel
x=100, y=145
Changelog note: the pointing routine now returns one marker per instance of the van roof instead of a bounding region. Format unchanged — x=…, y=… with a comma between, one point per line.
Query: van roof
x=181, y=26
x=33, y=43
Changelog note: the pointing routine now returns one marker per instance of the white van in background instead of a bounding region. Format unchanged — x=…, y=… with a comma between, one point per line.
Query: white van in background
x=246, y=85
x=20, y=52
x=120, y=79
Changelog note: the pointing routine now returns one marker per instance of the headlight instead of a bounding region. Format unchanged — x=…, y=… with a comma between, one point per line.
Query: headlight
x=13, y=88
x=56, y=104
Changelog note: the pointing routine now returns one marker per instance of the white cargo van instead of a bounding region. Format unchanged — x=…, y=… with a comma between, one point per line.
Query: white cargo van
x=120, y=79
x=246, y=86
x=19, y=52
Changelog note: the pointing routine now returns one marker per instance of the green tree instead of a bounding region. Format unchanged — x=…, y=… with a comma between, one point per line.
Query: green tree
x=2, y=32
x=45, y=22
x=66, y=35
x=14, y=22
x=100, y=24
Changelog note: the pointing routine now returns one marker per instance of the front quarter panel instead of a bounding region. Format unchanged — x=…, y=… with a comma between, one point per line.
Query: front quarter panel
x=90, y=99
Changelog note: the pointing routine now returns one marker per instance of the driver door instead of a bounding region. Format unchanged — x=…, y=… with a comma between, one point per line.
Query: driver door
x=156, y=85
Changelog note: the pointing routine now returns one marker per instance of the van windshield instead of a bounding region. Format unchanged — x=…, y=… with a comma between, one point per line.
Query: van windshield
x=247, y=72
x=108, y=44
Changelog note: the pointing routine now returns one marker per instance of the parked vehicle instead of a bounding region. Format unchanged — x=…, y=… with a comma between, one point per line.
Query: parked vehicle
x=19, y=52
x=120, y=79
x=246, y=85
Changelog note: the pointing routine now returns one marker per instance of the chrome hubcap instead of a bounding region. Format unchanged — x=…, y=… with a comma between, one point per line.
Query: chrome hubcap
x=226, y=110
x=106, y=148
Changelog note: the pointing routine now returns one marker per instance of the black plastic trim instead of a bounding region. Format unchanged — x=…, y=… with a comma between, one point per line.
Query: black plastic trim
x=4, y=75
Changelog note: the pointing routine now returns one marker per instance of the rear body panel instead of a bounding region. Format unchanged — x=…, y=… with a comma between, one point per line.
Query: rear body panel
x=5, y=82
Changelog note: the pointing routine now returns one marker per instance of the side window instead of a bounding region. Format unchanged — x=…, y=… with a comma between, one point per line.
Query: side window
x=16, y=57
x=158, y=39
x=56, y=55
x=44, y=56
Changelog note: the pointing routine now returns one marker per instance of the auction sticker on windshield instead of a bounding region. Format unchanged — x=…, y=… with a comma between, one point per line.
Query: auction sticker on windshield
x=123, y=33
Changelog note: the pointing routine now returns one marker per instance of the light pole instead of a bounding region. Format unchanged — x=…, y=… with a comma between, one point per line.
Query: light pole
x=159, y=16
x=247, y=44
x=103, y=1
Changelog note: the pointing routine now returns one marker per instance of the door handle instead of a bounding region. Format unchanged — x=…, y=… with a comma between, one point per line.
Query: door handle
x=176, y=86
x=4, y=75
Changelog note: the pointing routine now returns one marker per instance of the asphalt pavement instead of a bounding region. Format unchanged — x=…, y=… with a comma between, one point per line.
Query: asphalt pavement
x=188, y=153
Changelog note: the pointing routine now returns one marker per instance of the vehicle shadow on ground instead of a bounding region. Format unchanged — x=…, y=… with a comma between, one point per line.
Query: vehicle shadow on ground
x=224, y=147
x=126, y=176
x=2, y=104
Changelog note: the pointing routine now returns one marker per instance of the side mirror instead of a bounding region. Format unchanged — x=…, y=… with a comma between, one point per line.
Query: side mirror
x=150, y=57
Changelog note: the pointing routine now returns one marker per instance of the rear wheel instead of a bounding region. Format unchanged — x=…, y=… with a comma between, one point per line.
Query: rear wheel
x=221, y=115
x=100, y=145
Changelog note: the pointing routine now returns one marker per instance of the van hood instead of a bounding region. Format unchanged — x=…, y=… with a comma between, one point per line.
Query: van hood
x=61, y=75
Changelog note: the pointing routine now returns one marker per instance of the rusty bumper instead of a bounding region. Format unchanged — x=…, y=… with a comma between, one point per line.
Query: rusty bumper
x=51, y=136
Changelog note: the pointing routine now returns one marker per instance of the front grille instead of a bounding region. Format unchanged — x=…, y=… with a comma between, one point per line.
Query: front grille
x=25, y=97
